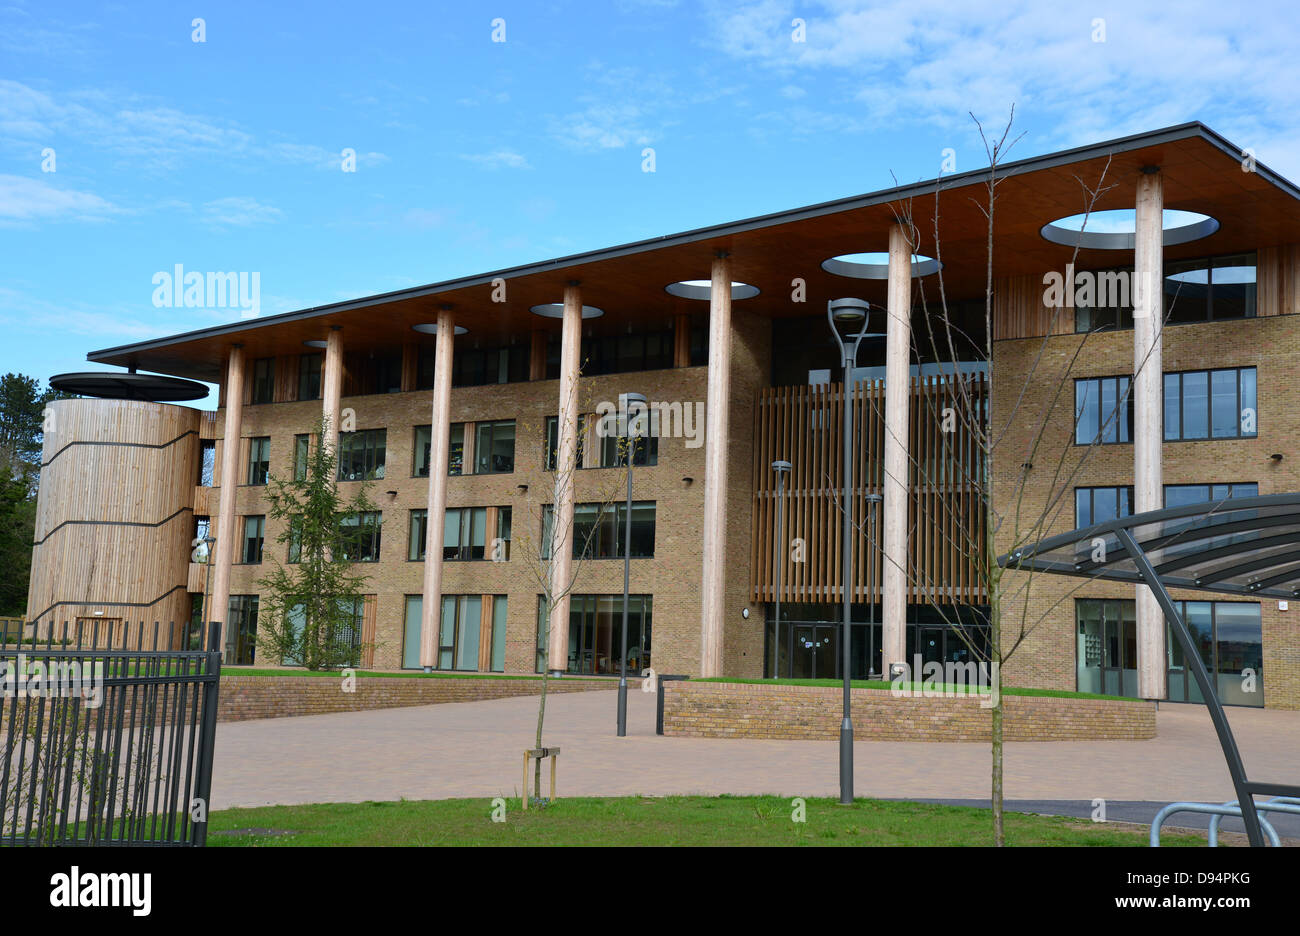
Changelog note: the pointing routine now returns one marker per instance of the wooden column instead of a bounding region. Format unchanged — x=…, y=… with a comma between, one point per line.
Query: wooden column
x=565, y=467
x=410, y=365
x=439, y=445
x=1148, y=412
x=332, y=386
x=682, y=340
x=227, y=536
x=537, y=355
x=716, y=439
x=898, y=395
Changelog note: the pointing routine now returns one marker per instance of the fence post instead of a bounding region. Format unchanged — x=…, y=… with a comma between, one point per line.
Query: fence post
x=208, y=732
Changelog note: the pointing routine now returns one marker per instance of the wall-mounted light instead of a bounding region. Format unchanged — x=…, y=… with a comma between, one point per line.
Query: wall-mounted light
x=1026, y=465
x=688, y=480
x=523, y=488
x=391, y=493
x=1276, y=456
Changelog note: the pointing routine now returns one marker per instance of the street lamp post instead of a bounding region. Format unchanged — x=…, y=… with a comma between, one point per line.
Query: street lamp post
x=630, y=400
x=207, y=588
x=782, y=468
x=851, y=315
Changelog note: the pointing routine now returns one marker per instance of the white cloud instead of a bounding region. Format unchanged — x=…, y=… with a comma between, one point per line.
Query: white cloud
x=26, y=200
x=499, y=159
x=239, y=211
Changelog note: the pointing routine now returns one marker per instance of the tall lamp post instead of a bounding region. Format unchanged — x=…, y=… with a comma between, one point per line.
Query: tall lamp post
x=630, y=400
x=208, y=541
x=782, y=468
x=848, y=321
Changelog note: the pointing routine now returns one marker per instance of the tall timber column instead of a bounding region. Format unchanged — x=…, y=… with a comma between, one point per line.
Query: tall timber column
x=439, y=443
x=565, y=468
x=227, y=536
x=332, y=386
x=898, y=398
x=537, y=355
x=716, y=439
x=1148, y=410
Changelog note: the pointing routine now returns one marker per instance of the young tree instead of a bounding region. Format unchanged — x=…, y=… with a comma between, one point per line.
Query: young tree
x=1011, y=509
x=307, y=609
x=538, y=552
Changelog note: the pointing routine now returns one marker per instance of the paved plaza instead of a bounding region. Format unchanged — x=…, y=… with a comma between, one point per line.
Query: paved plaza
x=475, y=749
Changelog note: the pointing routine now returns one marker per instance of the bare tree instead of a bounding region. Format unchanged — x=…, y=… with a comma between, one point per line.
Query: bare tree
x=1007, y=514
x=538, y=552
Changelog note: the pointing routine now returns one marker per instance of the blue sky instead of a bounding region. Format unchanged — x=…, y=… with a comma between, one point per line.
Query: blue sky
x=473, y=155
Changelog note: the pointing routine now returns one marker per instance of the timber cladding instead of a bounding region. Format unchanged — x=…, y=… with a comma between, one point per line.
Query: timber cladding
x=243, y=698
x=114, y=516
x=813, y=713
x=804, y=425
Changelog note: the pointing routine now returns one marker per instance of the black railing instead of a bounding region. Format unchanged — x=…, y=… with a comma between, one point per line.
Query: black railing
x=107, y=731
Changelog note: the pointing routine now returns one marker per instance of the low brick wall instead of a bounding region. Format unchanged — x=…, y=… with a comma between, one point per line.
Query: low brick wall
x=247, y=697
x=812, y=713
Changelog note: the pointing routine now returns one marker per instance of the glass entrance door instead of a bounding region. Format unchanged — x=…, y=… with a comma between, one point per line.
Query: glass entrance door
x=813, y=655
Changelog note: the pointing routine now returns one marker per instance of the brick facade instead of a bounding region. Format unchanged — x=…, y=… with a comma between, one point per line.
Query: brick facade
x=1270, y=343
x=813, y=713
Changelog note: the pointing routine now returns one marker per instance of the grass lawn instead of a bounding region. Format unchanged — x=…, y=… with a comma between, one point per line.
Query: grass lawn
x=671, y=820
x=921, y=686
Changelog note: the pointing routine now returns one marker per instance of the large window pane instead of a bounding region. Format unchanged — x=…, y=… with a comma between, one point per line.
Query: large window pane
x=1196, y=405
x=411, y=632
x=494, y=447
x=1173, y=421
x=1223, y=398
x=499, y=615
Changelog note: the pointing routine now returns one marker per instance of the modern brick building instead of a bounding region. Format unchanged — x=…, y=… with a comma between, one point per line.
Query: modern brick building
x=457, y=400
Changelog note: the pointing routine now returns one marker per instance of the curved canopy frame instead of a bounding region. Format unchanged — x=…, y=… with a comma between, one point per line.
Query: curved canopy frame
x=1247, y=546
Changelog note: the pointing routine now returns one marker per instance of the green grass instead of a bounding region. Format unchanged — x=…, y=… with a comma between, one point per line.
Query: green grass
x=918, y=687
x=671, y=820
x=405, y=674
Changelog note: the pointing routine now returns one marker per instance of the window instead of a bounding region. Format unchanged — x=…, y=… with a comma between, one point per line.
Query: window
x=1111, y=304
x=207, y=462
x=360, y=536
x=1176, y=495
x=301, y=452
x=418, y=535
x=1106, y=655
x=1210, y=289
x=361, y=454
x=553, y=440
x=614, y=449
x=460, y=643
x=420, y=451
x=1103, y=410
x=456, y=449
x=254, y=531
x=263, y=380
x=1215, y=404
x=494, y=447
x=1099, y=504
x=596, y=633
x=1229, y=638
x=309, y=376
x=494, y=365
x=295, y=540
x=458, y=636
x=601, y=530
x=465, y=534
x=259, y=459
x=618, y=354
x=241, y=633
x=202, y=530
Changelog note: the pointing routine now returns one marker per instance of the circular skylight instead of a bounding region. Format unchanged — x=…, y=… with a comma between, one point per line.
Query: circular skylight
x=703, y=289
x=431, y=328
x=875, y=265
x=556, y=310
x=1115, y=229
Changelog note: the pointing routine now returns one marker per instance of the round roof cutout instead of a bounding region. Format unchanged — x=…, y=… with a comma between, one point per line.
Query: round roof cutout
x=1114, y=229
x=703, y=289
x=875, y=265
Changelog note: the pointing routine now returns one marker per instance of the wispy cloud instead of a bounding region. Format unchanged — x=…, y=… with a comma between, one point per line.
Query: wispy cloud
x=24, y=200
x=239, y=211
x=498, y=159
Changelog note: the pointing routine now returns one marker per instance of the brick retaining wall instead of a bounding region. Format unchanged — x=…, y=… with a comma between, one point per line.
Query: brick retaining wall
x=247, y=697
x=742, y=710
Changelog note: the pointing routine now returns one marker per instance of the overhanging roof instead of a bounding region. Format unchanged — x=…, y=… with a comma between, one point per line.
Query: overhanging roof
x=1247, y=546
x=1201, y=173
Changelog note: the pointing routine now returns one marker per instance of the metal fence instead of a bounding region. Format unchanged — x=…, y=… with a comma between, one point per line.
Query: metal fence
x=107, y=734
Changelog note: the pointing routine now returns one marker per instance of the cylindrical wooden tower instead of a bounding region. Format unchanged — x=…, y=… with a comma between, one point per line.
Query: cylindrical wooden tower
x=114, y=516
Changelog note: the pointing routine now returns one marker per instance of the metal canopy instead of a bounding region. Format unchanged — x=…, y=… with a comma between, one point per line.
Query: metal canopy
x=1247, y=546
x=1235, y=546
x=112, y=385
